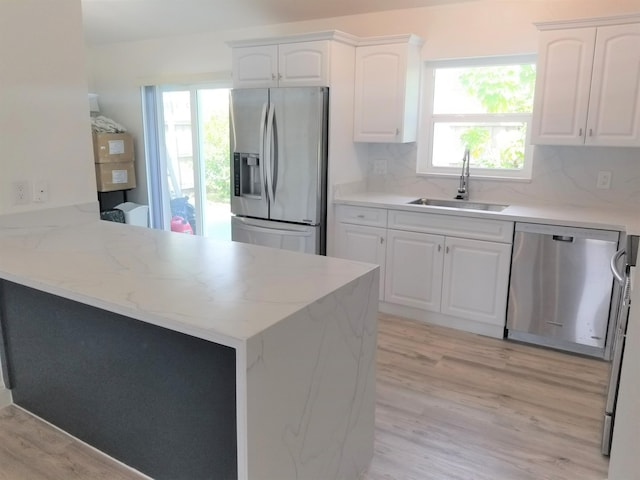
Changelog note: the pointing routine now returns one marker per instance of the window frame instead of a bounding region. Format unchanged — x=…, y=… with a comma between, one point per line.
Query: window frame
x=155, y=152
x=424, y=164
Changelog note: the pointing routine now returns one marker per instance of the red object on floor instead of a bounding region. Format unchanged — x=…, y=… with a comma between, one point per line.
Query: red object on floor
x=179, y=224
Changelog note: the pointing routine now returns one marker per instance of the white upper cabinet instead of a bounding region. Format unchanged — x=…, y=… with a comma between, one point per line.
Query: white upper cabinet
x=587, y=92
x=255, y=67
x=563, y=79
x=387, y=91
x=304, y=64
x=614, y=104
x=300, y=64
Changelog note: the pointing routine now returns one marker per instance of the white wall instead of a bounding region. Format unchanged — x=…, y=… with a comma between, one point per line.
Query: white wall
x=45, y=132
x=486, y=27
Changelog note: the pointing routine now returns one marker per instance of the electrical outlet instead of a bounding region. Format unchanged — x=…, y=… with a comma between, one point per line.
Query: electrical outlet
x=40, y=191
x=380, y=166
x=21, y=192
x=604, y=180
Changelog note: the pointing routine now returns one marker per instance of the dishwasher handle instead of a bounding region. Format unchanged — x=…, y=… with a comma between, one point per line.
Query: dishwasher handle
x=563, y=238
x=620, y=278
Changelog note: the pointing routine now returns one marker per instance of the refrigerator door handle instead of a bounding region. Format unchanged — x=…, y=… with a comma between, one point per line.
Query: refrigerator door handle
x=269, y=142
x=274, y=157
x=614, y=266
x=262, y=153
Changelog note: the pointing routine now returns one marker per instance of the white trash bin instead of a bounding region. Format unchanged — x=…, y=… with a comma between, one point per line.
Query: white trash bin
x=135, y=214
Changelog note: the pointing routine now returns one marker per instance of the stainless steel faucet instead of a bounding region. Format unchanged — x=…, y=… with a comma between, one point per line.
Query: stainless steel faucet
x=463, y=189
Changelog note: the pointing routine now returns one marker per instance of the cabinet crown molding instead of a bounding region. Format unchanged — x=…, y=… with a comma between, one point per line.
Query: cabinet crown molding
x=588, y=22
x=336, y=35
x=408, y=38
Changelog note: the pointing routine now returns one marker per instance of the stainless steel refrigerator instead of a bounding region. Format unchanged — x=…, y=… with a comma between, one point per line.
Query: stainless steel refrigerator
x=279, y=167
x=621, y=264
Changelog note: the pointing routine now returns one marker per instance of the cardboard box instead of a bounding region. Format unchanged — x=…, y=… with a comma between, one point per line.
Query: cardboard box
x=112, y=147
x=115, y=176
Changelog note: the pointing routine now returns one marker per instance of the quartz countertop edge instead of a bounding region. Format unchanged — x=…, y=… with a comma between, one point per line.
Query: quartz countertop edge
x=225, y=292
x=583, y=217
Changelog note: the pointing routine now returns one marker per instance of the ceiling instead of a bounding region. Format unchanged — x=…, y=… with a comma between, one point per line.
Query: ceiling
x=109, y=21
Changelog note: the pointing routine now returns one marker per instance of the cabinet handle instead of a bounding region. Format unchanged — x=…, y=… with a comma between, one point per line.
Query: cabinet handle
x=360, y=216
x=591, y=132
x=439, y=247
x=580, y=133
x=279, y=76
x=446, y=250
x=397, y=131
x=381, y=240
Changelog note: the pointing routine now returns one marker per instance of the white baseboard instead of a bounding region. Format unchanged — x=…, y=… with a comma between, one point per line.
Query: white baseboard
x=5, y=397
x=443, y=320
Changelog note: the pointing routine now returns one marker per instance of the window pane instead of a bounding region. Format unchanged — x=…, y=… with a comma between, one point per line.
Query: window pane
x=213, y=108
x=494, y=89
x=179, y=142
x=492, y=144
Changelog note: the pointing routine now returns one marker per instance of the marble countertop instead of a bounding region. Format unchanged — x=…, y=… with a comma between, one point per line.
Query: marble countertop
x=225, y=292
x=627, y=220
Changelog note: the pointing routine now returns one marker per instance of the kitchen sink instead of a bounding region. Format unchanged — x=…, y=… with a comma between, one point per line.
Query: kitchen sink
x=463, y=204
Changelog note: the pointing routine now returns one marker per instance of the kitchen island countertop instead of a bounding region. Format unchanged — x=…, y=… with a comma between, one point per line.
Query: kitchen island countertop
x=225, y=292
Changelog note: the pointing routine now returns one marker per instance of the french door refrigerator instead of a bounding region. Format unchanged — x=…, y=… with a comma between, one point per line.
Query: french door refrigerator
x=279, y=167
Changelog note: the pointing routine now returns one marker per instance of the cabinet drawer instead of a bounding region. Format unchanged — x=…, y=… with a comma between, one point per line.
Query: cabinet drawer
x=454, y=226
x=375, y=217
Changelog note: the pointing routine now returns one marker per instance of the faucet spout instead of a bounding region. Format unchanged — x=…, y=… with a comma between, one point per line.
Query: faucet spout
x=463, y=189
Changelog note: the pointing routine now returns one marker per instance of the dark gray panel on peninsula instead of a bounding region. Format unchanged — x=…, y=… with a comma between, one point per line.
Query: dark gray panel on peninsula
x=159, y=401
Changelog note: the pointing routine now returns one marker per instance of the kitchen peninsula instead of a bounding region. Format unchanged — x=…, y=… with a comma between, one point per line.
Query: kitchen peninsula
x=188, y=358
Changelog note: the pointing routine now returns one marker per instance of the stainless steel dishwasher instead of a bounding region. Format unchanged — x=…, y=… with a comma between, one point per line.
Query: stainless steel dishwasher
x=561, y=288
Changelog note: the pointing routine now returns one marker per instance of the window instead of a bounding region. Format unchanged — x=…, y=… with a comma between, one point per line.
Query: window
x=484, y=105
x=187, y=140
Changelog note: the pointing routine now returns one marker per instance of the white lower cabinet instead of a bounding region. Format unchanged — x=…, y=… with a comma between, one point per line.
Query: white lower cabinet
x=361, y=235
x=454, y=276
x=363, y=244
x=475, y=280
x=414, y=269
x=457, y=267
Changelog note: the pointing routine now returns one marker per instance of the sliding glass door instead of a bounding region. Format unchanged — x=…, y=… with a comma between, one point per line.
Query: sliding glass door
x=192, y=191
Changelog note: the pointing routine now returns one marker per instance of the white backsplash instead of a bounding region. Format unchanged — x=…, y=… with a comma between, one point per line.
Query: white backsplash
x=561, y=176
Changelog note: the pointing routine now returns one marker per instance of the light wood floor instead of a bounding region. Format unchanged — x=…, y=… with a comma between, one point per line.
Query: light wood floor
x=450, y=405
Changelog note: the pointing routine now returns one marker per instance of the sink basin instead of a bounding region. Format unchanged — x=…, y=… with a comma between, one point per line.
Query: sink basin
x=463, y=204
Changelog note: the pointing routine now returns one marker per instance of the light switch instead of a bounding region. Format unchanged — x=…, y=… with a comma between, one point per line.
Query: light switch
x=40, y=191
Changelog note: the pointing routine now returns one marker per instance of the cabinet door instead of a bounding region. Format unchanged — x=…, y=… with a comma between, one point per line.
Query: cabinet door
x=475, y=280
x=255, y=67
x=363, y=244
x=304, y=64
x=563, y=78
x=380, y=93
x=414, y=269
x=614, y=105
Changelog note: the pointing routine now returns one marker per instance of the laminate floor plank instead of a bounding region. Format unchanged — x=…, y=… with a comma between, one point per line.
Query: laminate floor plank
x=31, y=449
x=450, y=406
x=453, y=405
